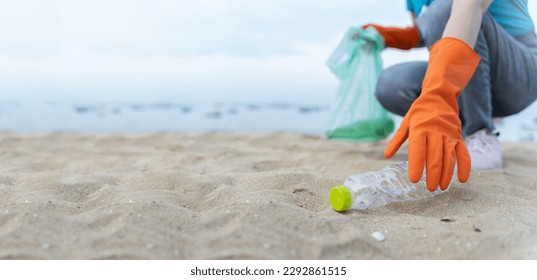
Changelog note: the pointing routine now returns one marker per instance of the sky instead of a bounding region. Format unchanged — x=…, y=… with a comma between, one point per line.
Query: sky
x=181, y=50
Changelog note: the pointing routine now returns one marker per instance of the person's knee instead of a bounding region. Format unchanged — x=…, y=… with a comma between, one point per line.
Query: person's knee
x=388, y=92
x=384, y=89
x=398, y=86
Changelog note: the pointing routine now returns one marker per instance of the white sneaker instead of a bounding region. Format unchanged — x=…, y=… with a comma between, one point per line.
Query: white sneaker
x=485, y=150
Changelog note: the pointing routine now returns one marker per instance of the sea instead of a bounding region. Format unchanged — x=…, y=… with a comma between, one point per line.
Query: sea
x=146, y=117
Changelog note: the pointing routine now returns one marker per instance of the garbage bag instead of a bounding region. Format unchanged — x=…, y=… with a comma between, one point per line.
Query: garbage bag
x=356, y=114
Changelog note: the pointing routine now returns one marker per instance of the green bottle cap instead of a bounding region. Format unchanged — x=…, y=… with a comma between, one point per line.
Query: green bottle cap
x=340, y=198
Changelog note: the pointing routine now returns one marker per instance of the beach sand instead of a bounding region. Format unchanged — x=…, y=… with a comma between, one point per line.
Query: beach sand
x=243, y=196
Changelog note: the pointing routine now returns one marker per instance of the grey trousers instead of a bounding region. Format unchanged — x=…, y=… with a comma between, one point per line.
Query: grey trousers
x=504, y=83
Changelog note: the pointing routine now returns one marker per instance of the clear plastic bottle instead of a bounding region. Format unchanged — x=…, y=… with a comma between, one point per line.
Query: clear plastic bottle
x=377, y=188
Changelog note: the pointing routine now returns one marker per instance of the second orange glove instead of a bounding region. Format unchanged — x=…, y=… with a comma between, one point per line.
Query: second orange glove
x=399, y=38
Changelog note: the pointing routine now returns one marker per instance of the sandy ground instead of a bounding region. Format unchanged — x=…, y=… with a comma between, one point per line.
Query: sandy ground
x=243, y=196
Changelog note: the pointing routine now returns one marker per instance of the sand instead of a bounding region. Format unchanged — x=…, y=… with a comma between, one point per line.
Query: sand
x=243, y=196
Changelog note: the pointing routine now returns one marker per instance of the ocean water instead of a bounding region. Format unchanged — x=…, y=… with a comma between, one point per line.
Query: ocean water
x=155, y=117
x=125, y=117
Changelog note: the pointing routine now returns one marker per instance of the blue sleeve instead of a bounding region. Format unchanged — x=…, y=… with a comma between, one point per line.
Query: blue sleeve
x=416, y=6
x=410, y=5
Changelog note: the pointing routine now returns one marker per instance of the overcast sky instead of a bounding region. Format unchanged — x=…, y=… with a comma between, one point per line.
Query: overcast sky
x=179, y=50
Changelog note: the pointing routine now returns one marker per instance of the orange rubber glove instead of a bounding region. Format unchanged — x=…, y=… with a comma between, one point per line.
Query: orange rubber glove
x=432, y=124
x=399, y=38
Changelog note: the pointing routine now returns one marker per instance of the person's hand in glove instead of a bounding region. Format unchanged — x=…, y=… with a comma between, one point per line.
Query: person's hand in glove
x=432, y=124
x=399, y=38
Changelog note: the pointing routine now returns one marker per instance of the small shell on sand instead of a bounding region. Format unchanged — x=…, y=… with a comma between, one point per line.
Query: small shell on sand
x=378, y=236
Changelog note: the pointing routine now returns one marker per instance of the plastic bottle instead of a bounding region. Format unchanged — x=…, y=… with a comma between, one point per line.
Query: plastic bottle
x=377, y=188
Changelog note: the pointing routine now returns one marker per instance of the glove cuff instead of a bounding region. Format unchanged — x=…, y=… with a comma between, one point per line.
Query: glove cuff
x=404, y=39
x=452, y=63
x=399, y=38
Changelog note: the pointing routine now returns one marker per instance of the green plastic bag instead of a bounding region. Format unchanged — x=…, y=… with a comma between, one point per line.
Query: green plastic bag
x=356, y=114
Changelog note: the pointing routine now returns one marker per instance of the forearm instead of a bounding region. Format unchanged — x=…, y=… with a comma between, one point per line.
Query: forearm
x=465, y=20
